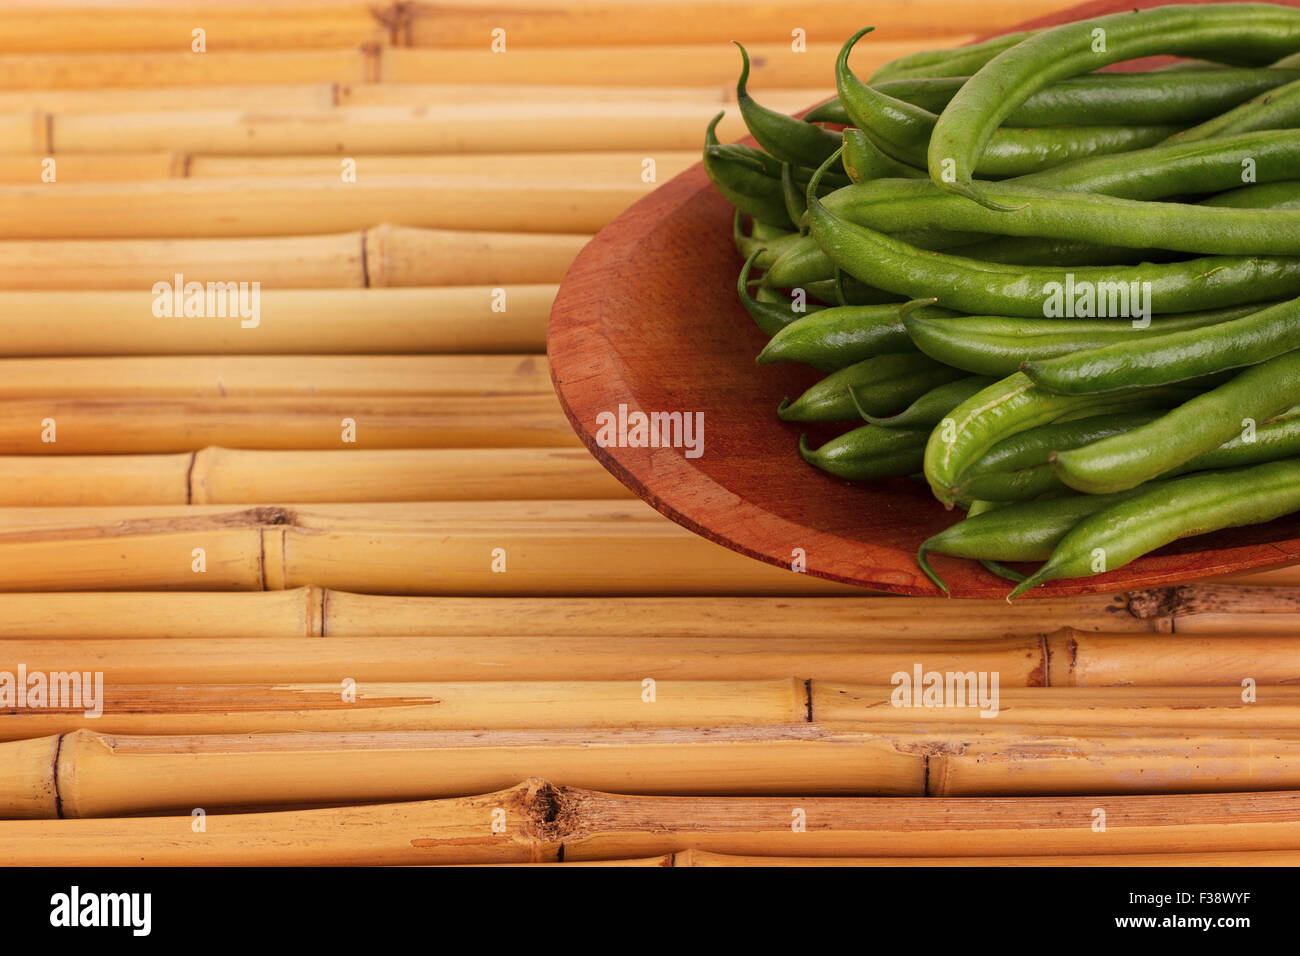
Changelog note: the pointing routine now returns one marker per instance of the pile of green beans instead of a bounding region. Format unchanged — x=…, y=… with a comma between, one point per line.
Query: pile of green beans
x=1065, y=300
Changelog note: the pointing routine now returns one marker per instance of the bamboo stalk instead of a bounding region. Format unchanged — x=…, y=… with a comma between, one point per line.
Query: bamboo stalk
x=546, y=126
x=1080, y=660
x=541, y=819
x=273, y=376
x=317, y=96
x=91, y=167
x=184, y=709
x=853, y=618
x=90, y=71
x=676, y=64
x=192, y=615
x=24, y=132
x=133, y=658
x=236, y=476
x=317, y=262
x=99, y=775
x=529, y=23
x=382, y=256
x=1058, y=709
x=1210, y=608
x=406, y=256
x=989, y=636
x=80, y=26
x=445, y=94
x=511, y=170
x=351, y=321
x=1226, y=858
x=158, y=426
x=184, y=208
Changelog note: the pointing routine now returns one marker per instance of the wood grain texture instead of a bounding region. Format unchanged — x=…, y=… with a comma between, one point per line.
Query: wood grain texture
x=668, y=262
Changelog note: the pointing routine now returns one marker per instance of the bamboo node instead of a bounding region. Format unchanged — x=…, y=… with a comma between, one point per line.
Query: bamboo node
x=1158, y=602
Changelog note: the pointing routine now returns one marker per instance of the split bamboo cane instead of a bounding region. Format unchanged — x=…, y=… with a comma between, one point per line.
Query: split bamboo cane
x=80, y=26
x=651, y=66
x=844, y=624
x=529, y=23
x=458, y=319
x=187, y=209
x=541, y=819
x=235, y=476
x=384, y=707
x=99, y=775
x=177, y=657
x=1229, y=858
x=546, y=126
x=318, y=96
x=182, y=709
x=273, y=376
x=508, y=170
x=381, y=256
x=157, y=426
x=92, y=71
x=1082, y=660
x=91, y=167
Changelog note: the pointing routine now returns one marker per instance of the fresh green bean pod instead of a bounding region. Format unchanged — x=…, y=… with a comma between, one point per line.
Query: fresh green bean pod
x=1252, y=34
x=796, y=204
x=880, y=385
x=1196, y=504
x=750, y=189
x=1014, y=405
x=1173, y=356
x=957, y=61
x=1018, y=468
x=839, y=336
x=863, y=161
x=1276, y=109
x=903, y=131
x=1271, y=441
x=895, y=205
x=1023, y=531
x=869, y=452
x=789, y=139
x=982, y=288
x=1038, y=251
x=775, y=312
x=1199, y=425
x=853, y=292
x=999, y=345
x=1279, y=195
x=930, y=409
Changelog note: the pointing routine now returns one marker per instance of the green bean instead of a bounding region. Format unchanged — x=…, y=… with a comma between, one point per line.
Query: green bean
x=1014, y=405
x=1198, y=425
x=1197, y=504
x=839, y=336
x=795, y=202
x=1280, y=195
x=1174, y=356
x=1276, y=109
x=894, y=205
x=1253, y=34
x=903, y=131
x=1038, y=251
x=768, y=241
x=869, y=452
x=788, y=139
x=1291, y=62
x=863, y=161
x=981, y=288
x=957, y=61
x=998, y=345
x=1275, y=439
x=1023, y=531
x=928, y=410
x=881, y=385
x=1018, y=467
x=740, y=177
x=770, y=316
x=855, y=292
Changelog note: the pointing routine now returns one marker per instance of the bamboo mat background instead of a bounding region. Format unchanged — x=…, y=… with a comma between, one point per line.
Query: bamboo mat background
x=354, y=555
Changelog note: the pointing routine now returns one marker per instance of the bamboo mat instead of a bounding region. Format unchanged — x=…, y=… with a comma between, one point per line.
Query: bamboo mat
x=335, y=569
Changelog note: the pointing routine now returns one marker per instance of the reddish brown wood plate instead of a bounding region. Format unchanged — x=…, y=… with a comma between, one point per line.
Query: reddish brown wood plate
x=647, y=318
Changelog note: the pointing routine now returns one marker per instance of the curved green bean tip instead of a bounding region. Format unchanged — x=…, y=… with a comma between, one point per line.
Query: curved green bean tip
x=710, y=134
x=805, y=452
x=741, y=92
x=921, y=553
x=780, y=409
x=842, y=60
x=974, y=195
x=1027, y=584
x=1002, y=571
x=912, y=305
x=816, y=179
x=853, y=397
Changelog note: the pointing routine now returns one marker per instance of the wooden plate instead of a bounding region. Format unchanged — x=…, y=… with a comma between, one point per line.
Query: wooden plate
x=647, y=320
